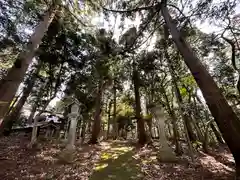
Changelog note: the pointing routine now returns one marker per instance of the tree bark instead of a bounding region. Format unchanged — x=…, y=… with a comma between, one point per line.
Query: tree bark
x=9, y=120
x=149, y=123
x=10, y=83
x=79, y=127
x=223, y=114
x=97, y=117
x=140, y=122
x=84, y=127
x=109, y=118
x=64, y=122
x=115, y=126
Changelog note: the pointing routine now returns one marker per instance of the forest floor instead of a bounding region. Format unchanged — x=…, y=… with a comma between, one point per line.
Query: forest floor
x=110, y=160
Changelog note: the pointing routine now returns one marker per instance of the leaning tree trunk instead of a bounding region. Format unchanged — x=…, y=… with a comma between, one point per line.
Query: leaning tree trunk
x=36, y=118
x=10, y=83
x=9, y=120
x=35, y=106
x=186, y=120
x=223, y=114
x=197, y=128
x=97, y=116
x=214, y=129
x=140, y=122
x=172, y=114
x=31, y=116
x=206, y=138
x=45, y=106
x=187, y=126
x=216, y=133
x=16, y=98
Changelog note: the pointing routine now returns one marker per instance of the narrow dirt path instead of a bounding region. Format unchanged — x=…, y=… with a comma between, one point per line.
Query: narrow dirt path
x=117, y=162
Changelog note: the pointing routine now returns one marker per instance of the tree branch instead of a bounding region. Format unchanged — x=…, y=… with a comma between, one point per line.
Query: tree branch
x=129, y=10
x=233, y=51
x=130, y=48
x=150, y=35
x=180, y=11
x=75, y=17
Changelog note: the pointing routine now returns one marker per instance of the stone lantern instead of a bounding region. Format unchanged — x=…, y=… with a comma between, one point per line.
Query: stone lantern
x=73, y=116
x=165, y=154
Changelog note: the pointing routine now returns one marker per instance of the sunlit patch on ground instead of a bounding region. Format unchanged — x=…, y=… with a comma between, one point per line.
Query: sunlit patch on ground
x=99, y=166
x=117, y=163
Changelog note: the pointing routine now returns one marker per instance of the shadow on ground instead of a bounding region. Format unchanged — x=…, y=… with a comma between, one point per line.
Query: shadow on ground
x=109, y=160
x=117, y=162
